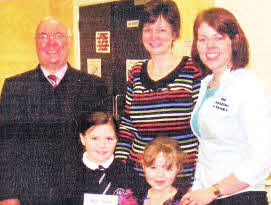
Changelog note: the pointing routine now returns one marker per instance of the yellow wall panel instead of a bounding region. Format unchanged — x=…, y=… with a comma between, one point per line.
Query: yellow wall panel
x=19, y=19
x=189, y=10
x=256, y=24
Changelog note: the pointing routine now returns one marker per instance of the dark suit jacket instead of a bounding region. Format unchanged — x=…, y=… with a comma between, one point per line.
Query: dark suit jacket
x=39, y=141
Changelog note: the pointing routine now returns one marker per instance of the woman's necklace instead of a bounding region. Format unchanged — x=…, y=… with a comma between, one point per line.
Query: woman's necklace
x=213, y=84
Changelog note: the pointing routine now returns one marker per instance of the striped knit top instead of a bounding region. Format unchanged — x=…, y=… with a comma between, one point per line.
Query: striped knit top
x=160, y=108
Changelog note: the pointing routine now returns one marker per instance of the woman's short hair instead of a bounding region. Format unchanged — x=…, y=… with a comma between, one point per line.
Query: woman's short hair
x=97, y=118
x=168, y=9
x=224, y=23
x=171, y=151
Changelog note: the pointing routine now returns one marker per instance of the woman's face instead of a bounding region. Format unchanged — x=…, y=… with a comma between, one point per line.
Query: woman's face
x=158, y=175
x=100, y=142
x=215, y=49
x=158, y=37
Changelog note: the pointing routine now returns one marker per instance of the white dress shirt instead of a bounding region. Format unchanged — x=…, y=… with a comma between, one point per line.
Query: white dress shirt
x=59, y=74
x=93, y=165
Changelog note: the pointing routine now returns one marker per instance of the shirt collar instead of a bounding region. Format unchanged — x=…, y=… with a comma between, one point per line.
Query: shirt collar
x=93, y=165
x=59, y=74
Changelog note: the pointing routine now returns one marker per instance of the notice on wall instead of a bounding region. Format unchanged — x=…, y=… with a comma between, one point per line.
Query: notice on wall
x=103, y=42
x=94, y=66
x=98, y=199
x=140, y=2
x=132, y=23
x=129, y=64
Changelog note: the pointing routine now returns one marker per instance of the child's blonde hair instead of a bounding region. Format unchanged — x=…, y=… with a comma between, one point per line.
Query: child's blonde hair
x=171, y=151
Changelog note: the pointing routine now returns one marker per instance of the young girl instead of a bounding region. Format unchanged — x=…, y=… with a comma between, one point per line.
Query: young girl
x=100, y=172
x=162, y=160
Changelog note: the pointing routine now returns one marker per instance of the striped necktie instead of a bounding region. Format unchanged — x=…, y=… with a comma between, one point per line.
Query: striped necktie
x=104, y=185
x=52, y=79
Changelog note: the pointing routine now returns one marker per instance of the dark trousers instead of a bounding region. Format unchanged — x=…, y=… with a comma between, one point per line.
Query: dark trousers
x=246, y=198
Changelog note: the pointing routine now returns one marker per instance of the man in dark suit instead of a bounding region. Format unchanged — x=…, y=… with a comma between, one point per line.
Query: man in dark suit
x=39, y=144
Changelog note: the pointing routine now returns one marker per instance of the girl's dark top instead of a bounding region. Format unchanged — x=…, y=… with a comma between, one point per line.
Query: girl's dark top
x=174, y=201
x=121, y=176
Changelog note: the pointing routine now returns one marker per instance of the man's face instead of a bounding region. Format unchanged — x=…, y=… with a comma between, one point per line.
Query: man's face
x=52, y=44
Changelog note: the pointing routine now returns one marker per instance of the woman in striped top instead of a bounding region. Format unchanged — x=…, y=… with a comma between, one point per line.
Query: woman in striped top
x=161, y=92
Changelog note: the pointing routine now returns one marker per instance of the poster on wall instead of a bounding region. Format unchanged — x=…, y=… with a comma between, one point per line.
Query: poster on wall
x=94, y=66
x=103, y=42
x=129, y=64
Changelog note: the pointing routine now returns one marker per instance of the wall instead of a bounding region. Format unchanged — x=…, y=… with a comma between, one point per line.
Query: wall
x=254, y=17
x=76, y=5
x=189, y=10
x=18, y=23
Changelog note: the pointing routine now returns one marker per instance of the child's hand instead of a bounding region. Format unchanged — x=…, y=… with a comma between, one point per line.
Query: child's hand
x=10, y=202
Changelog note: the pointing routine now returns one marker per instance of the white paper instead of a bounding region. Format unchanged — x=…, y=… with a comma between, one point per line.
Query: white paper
x=99, y=199
x=94, y=66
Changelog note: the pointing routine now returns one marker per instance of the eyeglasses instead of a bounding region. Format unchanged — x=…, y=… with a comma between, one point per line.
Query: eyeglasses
x=55, y=36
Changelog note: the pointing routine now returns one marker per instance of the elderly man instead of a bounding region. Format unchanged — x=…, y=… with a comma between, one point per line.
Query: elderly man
x=40, y=108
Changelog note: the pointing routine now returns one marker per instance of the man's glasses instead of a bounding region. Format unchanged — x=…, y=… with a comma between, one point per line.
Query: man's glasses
x=55, y=36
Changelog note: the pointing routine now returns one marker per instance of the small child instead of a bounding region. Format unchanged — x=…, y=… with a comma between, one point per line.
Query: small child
x=100, y=173
x=162, y=161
